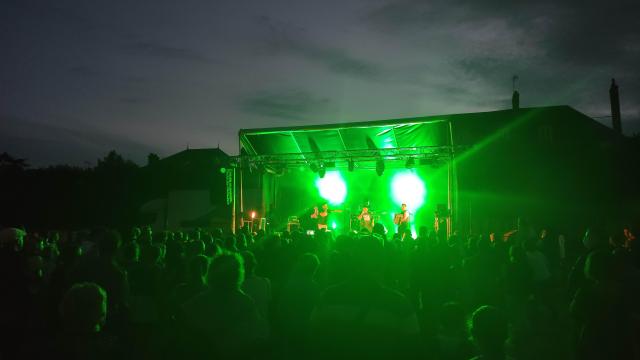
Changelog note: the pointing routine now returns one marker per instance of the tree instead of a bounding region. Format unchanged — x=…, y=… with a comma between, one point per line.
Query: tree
x=114, y=162
x=152, y=158
x=8, y=162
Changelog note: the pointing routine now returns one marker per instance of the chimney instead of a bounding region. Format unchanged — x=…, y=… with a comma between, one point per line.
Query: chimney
x=515, y=100
x=615, y=106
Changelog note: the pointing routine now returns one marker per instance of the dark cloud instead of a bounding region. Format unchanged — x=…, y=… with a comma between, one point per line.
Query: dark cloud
x=84, y=71
x=285, y=38
x=134, y=100
x=152, y=49
x=136, y=79
x=565, y=52
x=291, y=104
x=403, y=14
x=580, y=32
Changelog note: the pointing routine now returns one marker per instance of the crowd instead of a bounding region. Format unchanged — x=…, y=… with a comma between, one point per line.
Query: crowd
x=204, y=294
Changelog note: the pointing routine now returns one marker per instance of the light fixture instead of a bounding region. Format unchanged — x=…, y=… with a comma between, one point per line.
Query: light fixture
x=351, y=165
x=411, y=162
x=379, y=167
x=322, y=170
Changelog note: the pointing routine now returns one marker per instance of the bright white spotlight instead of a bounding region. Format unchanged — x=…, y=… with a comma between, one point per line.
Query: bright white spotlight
x=332, y=187
x=408, y=188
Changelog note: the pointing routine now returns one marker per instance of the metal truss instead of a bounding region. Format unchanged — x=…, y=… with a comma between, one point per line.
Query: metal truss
x=422, y=155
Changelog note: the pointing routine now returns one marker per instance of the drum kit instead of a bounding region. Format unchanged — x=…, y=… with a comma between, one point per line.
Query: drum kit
x=356, y=223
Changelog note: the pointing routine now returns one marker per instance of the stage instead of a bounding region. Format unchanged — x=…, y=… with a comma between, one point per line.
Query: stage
x=281, y=174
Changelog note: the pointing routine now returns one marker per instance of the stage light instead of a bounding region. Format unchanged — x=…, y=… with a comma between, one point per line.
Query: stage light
x=253, y=214
x=411, y=162
x=322, y=171
x=332, y=188
x=408, y=188
x=379, y=167
x=351, y=165
x=223, y=170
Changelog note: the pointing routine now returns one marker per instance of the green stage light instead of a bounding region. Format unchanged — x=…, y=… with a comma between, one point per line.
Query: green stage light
x=408, y=188
x=332, y=187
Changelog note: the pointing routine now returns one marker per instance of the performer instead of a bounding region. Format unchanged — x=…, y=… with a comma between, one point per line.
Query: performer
x=321, y=215
x=313, y=223
x=402, y=220
x=366, y=220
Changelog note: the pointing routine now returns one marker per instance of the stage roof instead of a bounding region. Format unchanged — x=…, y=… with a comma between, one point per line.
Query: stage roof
x=406, y=137
x=355, y=136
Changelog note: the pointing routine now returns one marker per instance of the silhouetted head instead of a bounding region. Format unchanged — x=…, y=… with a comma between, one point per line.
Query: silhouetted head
x=197, y=269
x=489, y=330
x=250, y=262
x=84, y=308
x=131, y=252
x=35, y=268
x=54, y=237
x=591, y=239
x=307, y=265
x=599, y=266
x=174, y=253
x=483, y=243
x=146, y=237
x=151, y=255
x=230, y=243
x=368, y=256
x=213, y=249
x=108, y=243
x=12, y=238
x=517, y=254
x=226, y=272
x=452, y=318
x=531, y=244
x=194, y=248
x=241, y=241
x=135, y=233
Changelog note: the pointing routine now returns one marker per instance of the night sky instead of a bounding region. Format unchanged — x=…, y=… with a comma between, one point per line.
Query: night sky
x=79, y=78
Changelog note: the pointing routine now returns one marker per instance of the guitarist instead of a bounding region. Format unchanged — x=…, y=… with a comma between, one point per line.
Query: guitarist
x=402, y=220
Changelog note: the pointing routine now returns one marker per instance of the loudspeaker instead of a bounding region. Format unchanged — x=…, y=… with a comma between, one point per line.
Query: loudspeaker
x=293, y=226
